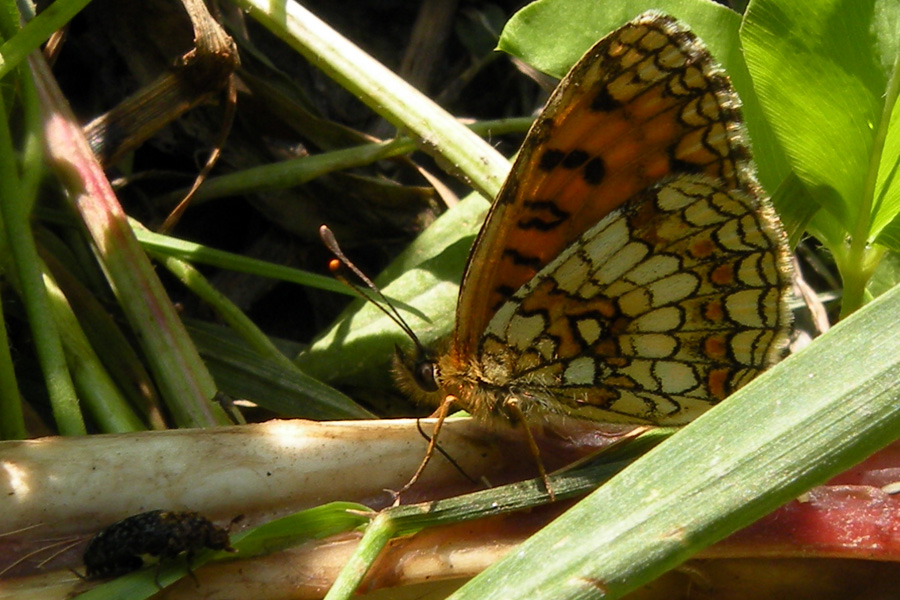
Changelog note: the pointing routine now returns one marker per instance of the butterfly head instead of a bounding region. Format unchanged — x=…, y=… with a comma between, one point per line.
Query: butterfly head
x=418, y=374
x=421, y=368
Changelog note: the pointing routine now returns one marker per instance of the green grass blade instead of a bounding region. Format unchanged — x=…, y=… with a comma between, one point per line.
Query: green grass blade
x=12, y=419
x=36, y=32
x=167, y=246
x=183, y=379
x=377, y=535
x=96, y=389
x=811, y=417
x=15, y=209
x=294, y=172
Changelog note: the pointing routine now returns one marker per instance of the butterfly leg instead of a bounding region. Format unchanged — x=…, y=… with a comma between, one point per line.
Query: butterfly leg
x=441, y=413
x=512, y=405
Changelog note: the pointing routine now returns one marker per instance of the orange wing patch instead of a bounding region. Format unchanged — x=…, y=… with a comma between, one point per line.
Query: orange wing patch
x=645, y=102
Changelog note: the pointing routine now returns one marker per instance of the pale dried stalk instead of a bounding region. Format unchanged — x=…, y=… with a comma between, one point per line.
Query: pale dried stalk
x=59, y=488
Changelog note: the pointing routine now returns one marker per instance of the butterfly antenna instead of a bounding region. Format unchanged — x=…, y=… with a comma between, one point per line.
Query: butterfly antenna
x=372, y=294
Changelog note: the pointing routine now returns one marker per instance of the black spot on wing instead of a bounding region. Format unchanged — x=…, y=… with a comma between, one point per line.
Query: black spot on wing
x=594, y=171
x=575, y=159
x=550, y=159
x=543, y=215
x=604, y=102
x=520, y=259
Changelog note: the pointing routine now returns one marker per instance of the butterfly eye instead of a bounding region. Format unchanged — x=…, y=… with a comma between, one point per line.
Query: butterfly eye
x=425, y=375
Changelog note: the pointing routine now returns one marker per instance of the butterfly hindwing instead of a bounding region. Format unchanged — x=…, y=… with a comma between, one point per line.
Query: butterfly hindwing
x=658, y=311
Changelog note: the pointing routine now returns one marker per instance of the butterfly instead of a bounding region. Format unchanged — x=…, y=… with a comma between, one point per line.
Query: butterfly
x=629, y=269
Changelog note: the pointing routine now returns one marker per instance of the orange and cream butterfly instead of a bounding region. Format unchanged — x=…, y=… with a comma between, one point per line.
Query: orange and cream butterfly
x=629, y=270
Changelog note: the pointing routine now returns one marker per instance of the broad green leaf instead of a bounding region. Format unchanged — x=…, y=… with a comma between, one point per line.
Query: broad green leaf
x=821, y=71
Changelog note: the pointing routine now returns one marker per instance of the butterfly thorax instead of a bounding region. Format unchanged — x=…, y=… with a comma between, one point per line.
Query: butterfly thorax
x=430, y=376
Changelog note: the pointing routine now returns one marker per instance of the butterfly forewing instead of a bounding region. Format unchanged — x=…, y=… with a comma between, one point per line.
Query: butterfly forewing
x=644, y=103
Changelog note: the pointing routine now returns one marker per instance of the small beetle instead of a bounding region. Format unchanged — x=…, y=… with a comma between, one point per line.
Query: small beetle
x=117, y=549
